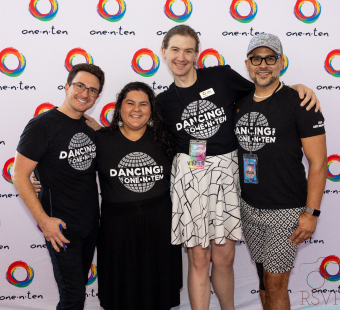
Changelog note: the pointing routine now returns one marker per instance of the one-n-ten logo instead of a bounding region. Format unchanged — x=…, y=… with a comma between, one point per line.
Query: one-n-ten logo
x=81, y=152
x=254, y=138
x=206, y=124
x=138, y=172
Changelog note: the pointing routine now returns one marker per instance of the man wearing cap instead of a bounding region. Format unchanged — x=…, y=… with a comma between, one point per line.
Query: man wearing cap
x=279, y=206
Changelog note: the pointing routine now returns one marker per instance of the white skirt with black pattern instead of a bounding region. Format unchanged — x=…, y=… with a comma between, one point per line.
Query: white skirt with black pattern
x=205, y=202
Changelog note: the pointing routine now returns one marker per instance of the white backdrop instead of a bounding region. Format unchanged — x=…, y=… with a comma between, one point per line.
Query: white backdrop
x=45, y=45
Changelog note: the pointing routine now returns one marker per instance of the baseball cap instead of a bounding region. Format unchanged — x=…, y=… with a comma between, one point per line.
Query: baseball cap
x=267, y=40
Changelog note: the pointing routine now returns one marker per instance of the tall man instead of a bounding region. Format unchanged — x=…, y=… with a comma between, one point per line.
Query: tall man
x=279, y=207
x=60, y=148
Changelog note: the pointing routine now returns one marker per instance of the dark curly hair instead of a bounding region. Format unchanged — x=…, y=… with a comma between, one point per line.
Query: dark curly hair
x=159, y=134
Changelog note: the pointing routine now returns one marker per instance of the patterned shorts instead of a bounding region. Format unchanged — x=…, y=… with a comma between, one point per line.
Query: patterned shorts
x=267, y=233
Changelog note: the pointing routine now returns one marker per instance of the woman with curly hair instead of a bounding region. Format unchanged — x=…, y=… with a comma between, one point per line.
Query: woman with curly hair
x=138, y=268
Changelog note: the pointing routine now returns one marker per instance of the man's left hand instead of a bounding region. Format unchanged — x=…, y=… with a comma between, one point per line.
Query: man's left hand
x=305, y=230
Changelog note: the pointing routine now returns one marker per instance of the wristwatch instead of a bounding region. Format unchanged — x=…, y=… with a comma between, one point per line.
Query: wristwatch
x=314, y=212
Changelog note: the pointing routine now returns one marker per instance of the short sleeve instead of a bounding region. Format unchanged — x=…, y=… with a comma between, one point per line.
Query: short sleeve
x=309, y=123
x=240, y=85
x=33, y=142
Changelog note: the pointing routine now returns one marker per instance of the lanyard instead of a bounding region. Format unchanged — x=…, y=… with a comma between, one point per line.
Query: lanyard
x=254, y=124
x=198, y=103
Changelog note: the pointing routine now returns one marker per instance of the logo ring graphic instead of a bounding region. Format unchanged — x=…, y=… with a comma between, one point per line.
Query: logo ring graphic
x=10, y=274
x=178, y=18
x=21, y=58
x=328, y=63
x=323, y=268
x=210, y=52
x=243, y=19
x=44, y=107
x=74, y=52
x=115, y=17
x=138, y=69
x=93, y=275
x=285, y=66
x=330, y=176
x=6, y=171
x=307, y=19
x=104, y=115
x=43, y=17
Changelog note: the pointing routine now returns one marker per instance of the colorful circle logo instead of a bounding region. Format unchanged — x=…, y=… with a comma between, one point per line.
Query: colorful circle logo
x=138, y=69
x=74, y=52
x=14, y=281
x=21, y=58
x=44, y=107
x=210, y=52
x=323, y=268
x=178, y=18
x=285, y=66
x=112, y=18
x=107, y=110
x=6, y=171
x=307, y=19
x=43, y=17
x=93, y=275
x=330, y=176
x=328, y=63
x=247, y=18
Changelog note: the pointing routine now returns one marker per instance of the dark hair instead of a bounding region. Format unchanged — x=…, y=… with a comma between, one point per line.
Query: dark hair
x=90, y=68
x=159, y=134
x=182, y=30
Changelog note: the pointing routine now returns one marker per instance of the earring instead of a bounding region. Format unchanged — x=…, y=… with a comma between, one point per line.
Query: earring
x=150, y=122
x=120, y=122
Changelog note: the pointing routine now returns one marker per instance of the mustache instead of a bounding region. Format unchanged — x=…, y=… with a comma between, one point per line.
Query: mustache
x=264, y=70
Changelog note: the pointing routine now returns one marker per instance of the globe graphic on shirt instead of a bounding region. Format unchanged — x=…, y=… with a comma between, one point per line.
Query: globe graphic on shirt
x=82, y=147
x=191, y=111
x=137, y=160
x=243, y=122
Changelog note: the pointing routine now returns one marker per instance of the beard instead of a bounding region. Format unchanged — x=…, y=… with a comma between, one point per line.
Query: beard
x=258, y=81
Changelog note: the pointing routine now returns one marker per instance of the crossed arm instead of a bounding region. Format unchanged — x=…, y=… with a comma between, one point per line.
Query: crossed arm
x=316, y=154
x=23, y=168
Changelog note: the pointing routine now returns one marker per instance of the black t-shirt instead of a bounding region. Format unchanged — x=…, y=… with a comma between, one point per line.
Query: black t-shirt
x=65, y=151
x=282, y=182
x=215, y=120
x=131, y=171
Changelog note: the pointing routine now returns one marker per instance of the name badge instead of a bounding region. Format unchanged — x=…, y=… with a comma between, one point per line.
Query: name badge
x=197, y=153
x=250, y=165
x=207, y=93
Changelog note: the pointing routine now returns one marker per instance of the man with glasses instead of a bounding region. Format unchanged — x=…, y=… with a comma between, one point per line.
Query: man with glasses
x=60, y=148
x=279, y=207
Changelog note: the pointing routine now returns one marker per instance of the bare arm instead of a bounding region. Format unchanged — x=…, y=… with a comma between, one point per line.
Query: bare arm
x=23, y=168
x=316, y=154
x=307, y=94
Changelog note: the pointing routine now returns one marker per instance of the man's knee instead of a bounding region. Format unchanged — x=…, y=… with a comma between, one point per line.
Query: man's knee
x=276, y=283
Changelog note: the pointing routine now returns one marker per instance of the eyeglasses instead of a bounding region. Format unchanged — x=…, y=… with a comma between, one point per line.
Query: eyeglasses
x=270, y=60
x=80, y=87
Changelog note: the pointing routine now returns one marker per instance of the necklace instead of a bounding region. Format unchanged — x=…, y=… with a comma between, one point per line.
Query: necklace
x=259, y=97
